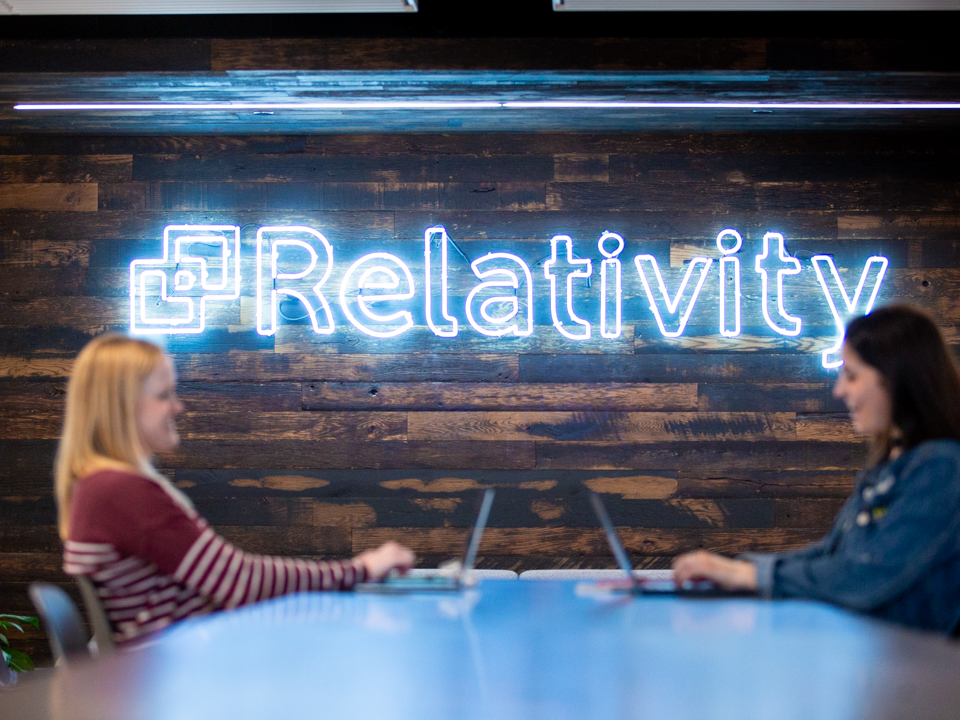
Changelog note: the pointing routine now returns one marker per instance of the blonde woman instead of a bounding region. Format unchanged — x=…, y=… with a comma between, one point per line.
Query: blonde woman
x=152, y=558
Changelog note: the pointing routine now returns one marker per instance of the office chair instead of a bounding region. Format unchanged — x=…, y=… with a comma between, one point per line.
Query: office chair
x=61, y=620
x=102, y=631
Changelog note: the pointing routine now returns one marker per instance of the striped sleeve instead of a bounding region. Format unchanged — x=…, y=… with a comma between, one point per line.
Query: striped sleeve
x=232, y=577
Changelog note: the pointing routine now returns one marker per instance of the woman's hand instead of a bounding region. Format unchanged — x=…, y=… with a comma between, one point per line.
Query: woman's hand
x=387, y=557
x=728, y=574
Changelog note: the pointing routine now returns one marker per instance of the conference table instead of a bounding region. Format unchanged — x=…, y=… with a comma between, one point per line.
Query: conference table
x=512, y=649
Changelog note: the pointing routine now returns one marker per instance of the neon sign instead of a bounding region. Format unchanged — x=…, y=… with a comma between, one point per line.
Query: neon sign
x=376, y=293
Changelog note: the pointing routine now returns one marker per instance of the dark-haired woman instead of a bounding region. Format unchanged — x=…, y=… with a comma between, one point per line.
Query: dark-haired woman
x=894, y=549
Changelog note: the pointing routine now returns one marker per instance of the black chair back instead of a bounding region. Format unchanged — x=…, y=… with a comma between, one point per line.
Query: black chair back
x=61, y=620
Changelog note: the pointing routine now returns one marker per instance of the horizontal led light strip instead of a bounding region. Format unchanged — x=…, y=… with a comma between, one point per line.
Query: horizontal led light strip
x=489, y=105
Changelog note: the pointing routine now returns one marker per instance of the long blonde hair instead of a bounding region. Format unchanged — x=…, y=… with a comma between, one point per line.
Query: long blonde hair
x=100, y=425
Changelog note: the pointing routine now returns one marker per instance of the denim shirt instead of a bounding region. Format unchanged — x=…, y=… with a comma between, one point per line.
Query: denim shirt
x=894, y=549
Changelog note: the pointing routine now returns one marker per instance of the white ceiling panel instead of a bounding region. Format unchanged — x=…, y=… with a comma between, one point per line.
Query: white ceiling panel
x=200, y=7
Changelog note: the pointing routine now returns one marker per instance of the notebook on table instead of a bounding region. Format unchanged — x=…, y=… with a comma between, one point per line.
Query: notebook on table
x=644, y=586
x=444, y=581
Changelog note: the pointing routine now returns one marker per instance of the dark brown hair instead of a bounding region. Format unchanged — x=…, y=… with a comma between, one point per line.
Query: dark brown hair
x=905, y=346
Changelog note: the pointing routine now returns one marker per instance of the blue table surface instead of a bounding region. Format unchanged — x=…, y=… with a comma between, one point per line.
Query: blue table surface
x=520, y=649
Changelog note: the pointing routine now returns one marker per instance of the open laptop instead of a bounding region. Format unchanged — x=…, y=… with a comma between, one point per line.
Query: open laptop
x=643, y=586
x=399, y=584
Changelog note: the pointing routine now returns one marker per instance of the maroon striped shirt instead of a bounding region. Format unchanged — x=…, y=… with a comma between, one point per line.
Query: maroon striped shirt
x=154, y=562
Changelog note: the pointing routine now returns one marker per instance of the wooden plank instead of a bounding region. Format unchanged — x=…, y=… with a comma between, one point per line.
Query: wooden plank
x=125, y=225
x=133, y=196
x=65, y=168
x=486, y=396
x=807, y=513
x=331, y=454
x=28, y=510
x=770, y=397
x=62, y=197
x=292, y=338
x=17, y=367
x=93, y=311
x=272, y=426
x=33, y=567
x=772, y=168
x=587, y=541
x=871, y=226
x=104, y=54
x=286, y=511
x=30, y=281
x=630, y=221
x=767, y=196
x=836, y=427
x=50, y=339
x=22, y=538
x=313, y=196
x=670, y=368
x=458, y=52
x=46, y=252
x=18, y=425
x=26, y=460
x=517, y=506
x=296, y=540
x=769, y=483
x=296, y=367
x=579, y=167
x=707, y=456
x=706, y=339
x=646, y=427
x=707, y=147
x=415, y=484
x=343, y=168
x=226, y=397
x=62, y=144
x=21, y=396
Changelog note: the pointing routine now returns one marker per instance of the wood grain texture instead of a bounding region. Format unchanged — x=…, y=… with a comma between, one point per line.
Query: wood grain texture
x=485, y=396
x=63, y=197
x=324, y=446
x=586, y=542
x=602, y=427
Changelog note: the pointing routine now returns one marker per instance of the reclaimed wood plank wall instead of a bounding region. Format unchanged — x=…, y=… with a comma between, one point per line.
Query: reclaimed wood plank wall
x=326, y=446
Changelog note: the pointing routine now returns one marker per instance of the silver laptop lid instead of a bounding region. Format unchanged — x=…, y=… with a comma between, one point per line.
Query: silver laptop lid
x=612, y=539
x=474, y=545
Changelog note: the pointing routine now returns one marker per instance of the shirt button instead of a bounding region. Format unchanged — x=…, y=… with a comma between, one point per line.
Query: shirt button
x=868, y=494
x=863, y=518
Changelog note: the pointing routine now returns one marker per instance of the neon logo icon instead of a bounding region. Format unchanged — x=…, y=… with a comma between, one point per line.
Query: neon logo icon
x=377, y=272
x=301, y=284
x=489, y=269
x=729, y=274
x=155, y=308
x=679, y=308
x=874, y=269
x=611, y=266
x=585, y=270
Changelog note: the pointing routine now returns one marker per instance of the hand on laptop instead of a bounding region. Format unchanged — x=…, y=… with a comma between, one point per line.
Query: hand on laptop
x=387, y=557
x=728, y=574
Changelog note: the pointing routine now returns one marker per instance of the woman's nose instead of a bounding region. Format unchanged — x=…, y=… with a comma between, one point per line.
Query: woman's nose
x=839, y=388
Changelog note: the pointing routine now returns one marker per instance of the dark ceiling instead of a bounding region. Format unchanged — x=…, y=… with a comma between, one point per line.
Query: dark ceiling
x=497, y=18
